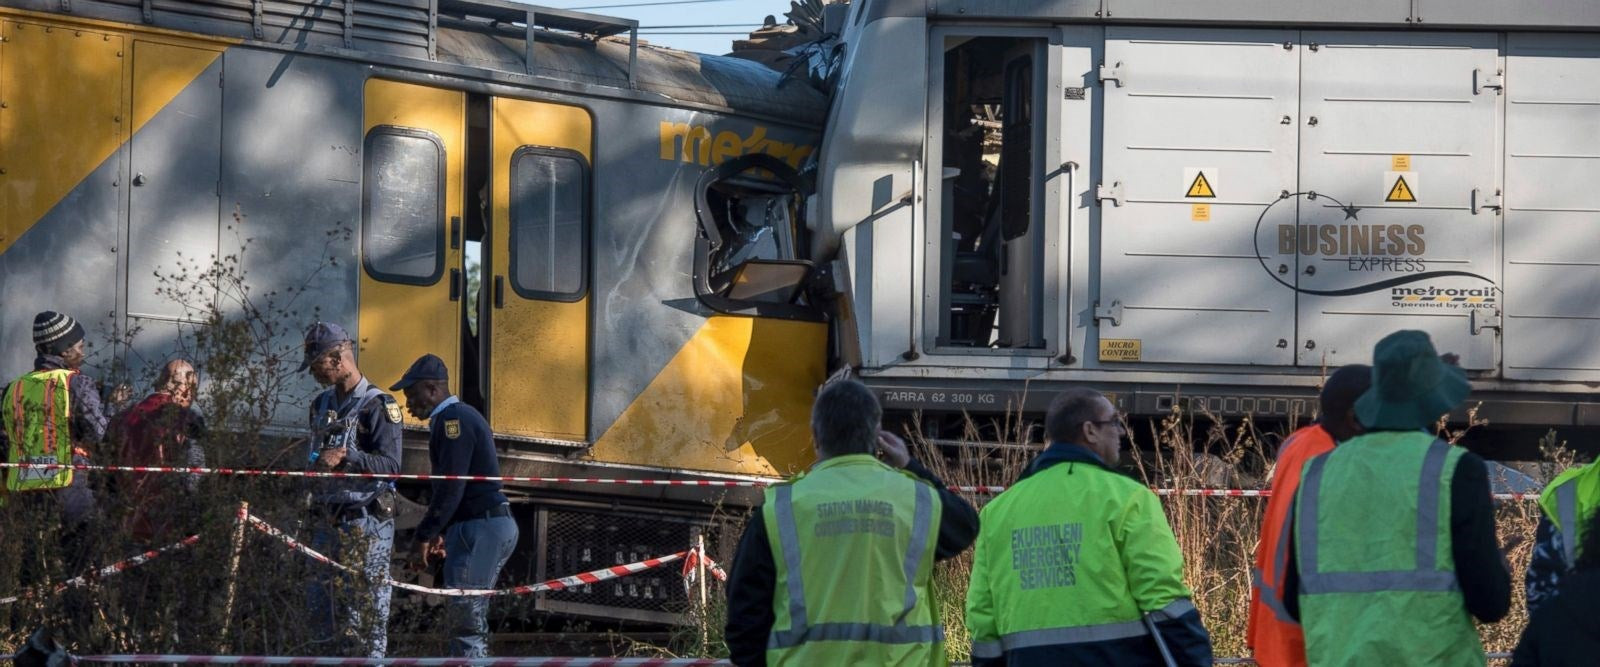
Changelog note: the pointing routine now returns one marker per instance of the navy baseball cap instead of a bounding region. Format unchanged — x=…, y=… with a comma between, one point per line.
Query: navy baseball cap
x=427, y=367
x=320, y=338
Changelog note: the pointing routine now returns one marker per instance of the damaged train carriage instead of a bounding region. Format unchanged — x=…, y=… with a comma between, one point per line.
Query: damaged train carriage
x=366, y=147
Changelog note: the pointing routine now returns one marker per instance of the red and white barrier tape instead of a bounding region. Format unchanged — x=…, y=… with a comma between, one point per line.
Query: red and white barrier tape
x=398, y=662
x=691, y=563
x=592, y=577
x=466, y=662
x=1252, y=661
x=109, y=570
x=261, y=472
x=1223, y=493
x=254, y=472
x=716, y=570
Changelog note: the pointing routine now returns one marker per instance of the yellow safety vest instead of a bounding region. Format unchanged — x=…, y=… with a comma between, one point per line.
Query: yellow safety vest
x=37, y=419
x=1568, y=502
x=853, y=541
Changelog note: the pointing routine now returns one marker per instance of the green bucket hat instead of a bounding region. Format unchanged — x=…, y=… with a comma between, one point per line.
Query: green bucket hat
x=1411, y=386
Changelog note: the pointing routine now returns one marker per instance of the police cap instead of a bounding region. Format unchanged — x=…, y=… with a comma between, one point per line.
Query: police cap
x=427, y=367
x=320, y=339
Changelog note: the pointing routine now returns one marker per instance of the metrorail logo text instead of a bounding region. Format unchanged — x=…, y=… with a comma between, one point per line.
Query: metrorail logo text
x=1442, y=297
x=708, y=146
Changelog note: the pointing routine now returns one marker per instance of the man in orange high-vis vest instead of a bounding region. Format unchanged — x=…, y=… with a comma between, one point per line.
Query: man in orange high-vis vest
x=1274, y=638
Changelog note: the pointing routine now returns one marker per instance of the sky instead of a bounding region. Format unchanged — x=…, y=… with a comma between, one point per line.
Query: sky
x=702, y=16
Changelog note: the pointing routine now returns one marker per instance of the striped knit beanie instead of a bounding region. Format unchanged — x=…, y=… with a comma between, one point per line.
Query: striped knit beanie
x=55, y=332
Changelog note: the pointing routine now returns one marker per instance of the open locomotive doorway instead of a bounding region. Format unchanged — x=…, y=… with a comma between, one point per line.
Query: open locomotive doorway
x=988, y=198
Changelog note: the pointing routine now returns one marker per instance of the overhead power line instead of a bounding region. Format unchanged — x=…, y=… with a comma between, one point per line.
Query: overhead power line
x=703, y=25
x=648, y=4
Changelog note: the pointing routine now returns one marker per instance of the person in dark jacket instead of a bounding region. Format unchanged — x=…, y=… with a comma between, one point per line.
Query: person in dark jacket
x=468, y=522
x=754, y=574
x=354, y=428
x=1564, y=631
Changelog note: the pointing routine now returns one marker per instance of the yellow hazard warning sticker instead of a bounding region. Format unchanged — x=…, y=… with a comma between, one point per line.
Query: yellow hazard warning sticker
x=1200, y=182
x=1200, y=212
x=1400, y=186
x=1400, y=162
x=1120, y=349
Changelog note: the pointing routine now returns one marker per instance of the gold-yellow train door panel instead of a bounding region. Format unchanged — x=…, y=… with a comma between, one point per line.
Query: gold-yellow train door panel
x=61, y=118
x=539, y=250
x=412, y=173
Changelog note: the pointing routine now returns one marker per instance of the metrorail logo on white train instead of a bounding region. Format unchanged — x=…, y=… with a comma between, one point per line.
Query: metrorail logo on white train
x=1361, y=247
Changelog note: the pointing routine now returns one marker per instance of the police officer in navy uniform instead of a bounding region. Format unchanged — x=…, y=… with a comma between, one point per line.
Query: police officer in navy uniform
x=355, y=427
x=468, y=522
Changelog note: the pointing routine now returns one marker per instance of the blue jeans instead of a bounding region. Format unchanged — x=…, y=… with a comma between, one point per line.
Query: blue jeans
x=475, y=550
x=351, y=613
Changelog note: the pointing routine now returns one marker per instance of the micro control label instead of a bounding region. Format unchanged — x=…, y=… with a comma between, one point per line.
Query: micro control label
x=1120, y=349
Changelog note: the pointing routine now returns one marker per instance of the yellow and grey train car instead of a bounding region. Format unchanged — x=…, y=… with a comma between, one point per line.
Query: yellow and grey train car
x=365, y=146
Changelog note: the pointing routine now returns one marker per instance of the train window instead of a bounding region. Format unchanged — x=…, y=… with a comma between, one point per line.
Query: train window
x=402, y=206
x=549, y=222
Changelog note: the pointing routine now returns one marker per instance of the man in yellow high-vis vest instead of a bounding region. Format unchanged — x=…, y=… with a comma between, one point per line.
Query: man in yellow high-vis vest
x=836, y=567
x=53, y=414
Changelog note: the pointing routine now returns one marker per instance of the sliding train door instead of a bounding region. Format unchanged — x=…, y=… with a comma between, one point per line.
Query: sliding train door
x=538, y=271
x=410, y=231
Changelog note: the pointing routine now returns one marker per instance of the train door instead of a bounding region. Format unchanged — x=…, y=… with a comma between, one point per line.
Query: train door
x=1401, y=127
x=537, y=270
x=411, y=284
x=1552, y=279
x=174, y=205
x=1199, y=141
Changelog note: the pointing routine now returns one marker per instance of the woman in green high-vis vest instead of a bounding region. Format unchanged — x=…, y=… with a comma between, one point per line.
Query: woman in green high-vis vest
x=1394, y=550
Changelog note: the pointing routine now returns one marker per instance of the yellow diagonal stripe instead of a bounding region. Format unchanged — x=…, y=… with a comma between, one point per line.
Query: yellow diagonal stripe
x=66, y=110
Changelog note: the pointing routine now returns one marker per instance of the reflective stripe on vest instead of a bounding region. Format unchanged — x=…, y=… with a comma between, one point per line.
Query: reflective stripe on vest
x=801, y=630
x=1270, y=595
x=1423, y=577
x=1568, y=503
x=1082, y=634
x=1567, y=511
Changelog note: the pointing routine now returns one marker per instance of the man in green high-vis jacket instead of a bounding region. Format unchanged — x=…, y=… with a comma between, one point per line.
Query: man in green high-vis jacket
x=1394, y=550
x=1076, y=564
x=836, y=567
